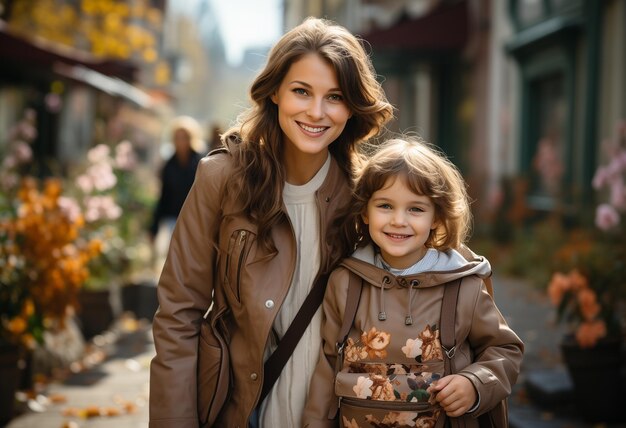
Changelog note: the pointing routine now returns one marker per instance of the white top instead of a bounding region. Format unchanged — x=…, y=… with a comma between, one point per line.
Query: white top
x=284, y=404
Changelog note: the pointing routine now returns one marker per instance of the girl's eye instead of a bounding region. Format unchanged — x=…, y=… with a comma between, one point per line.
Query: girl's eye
x=335, y=97
x=416, y=210
x=384, y=206
x=300, y=91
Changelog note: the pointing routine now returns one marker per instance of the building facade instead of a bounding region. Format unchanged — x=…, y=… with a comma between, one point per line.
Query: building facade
x=519, y=93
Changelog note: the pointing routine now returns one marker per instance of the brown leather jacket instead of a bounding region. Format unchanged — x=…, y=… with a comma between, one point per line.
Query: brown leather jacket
x=214, y=245
x=488, y=352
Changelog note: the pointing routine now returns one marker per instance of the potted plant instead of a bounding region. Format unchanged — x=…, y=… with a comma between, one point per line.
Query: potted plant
x=113, y=199
x=588, y=289
x=43, y=257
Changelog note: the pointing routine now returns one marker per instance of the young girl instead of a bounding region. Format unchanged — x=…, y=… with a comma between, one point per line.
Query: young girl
x=411, y=217
x=257, y=229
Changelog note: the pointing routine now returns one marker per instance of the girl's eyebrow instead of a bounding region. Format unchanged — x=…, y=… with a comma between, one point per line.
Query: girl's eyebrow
x=306, y=85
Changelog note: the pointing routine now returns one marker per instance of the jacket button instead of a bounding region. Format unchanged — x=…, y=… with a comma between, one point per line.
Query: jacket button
x=254, y=376
x=269, y=304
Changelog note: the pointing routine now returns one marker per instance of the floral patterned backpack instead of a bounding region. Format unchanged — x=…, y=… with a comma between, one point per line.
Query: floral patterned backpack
x=384, y=395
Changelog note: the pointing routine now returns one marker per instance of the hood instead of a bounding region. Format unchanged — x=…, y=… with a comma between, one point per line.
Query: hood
x=434, y=269
x=444, y=267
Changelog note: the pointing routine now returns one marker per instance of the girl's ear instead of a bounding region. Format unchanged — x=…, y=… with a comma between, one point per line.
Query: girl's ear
x=435, y=224
x=364, y=218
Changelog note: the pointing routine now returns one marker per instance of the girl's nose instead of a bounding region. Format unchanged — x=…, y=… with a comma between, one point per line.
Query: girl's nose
x=398, y=218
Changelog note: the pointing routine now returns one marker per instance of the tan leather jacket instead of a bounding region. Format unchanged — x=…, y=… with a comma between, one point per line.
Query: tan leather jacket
x=488, y=352
x=214, y=245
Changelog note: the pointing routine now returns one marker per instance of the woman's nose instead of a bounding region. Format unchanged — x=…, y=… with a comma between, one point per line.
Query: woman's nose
x=316, y=109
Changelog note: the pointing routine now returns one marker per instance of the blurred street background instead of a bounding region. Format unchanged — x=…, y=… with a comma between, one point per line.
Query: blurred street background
x=526, y=97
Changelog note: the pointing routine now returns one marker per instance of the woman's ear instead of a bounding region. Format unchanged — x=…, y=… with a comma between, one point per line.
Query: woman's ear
x=274, y=98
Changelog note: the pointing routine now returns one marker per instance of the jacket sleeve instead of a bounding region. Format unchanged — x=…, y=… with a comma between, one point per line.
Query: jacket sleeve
x=184, y=291
x=321, y=397
x=497, y=352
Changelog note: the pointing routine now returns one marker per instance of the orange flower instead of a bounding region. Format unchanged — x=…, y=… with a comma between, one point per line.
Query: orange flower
x=17, y=325
x=588, y=303
x=577, y=280
x=559, y=285
x=588, y=333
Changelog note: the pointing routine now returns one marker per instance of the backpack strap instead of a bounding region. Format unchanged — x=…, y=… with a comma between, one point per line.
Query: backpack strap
x=447, y=338
x=447, y=323
x=355, y=285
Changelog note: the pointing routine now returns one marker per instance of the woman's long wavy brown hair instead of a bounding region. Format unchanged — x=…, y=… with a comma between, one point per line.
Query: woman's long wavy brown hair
x=259, y=173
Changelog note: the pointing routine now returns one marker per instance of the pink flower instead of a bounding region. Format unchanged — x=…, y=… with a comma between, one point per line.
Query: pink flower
x=84, y=183
x=99, y=153
x=600, y=178
x=125, y=156
x=102, y=176
x=606, y=217
x=618, y=194
x=27, y=131
x=101, y=208
x=22, y=152
x=9, y=162
x=69, y=207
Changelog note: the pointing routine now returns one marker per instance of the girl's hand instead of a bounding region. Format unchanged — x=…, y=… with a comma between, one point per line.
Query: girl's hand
x=454, y=393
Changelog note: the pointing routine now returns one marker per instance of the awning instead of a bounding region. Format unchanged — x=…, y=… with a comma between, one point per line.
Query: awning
x=110, y=85
x=443, y=29
x=42, y=53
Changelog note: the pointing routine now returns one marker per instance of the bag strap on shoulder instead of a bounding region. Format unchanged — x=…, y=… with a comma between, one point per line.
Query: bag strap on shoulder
x=276, y=362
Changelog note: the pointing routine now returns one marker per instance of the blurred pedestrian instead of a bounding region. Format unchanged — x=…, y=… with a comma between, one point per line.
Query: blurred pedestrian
x=214, y=140
x=259, y=226
x=411, y=218
x=176, y=178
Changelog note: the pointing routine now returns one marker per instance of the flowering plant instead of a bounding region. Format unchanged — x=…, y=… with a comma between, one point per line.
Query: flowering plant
x=589, y=287
x=43, y=256
x=108, y=190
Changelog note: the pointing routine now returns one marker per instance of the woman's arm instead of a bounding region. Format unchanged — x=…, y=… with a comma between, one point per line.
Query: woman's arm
x=185, y=292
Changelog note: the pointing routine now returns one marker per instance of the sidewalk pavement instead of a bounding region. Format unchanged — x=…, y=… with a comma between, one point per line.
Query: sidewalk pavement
x=120, y=383
x=113, y=392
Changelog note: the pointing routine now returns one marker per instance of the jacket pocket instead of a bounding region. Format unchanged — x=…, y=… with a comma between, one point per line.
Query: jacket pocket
x=214, y=377
x=363, y=412
x=238, y=248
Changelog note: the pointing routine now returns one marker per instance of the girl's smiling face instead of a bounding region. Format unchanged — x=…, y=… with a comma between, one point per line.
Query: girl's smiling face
x=400, y=222
x=312, y=112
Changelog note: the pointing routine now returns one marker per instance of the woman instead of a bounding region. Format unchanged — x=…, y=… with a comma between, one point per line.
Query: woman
x=258, y=227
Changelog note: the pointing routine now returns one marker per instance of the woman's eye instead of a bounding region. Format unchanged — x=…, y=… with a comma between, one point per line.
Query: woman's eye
x=335, y=97
x=300, y=91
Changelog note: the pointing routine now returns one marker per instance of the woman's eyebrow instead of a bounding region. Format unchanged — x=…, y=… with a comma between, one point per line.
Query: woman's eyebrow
x=301, y=83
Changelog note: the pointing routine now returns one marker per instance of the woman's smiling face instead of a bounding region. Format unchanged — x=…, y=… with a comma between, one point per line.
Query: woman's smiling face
x=312, y=112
